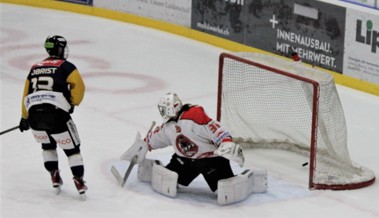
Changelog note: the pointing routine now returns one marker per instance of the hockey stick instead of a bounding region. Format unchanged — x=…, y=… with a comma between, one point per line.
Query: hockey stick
x=116, y=174
x=129, y=170
x=122, y=180
x=9, y=130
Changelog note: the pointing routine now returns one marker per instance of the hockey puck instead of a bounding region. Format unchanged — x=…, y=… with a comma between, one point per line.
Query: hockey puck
x=305, y=164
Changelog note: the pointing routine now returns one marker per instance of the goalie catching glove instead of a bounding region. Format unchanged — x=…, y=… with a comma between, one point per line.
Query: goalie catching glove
x=231, y=151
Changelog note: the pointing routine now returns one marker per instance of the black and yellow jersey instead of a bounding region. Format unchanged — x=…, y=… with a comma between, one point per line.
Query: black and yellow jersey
x=57, y=75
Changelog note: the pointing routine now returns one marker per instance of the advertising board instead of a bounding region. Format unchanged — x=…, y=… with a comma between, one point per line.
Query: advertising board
x=172, y=11
x=83, y=2
x=361, y=58
x=366, y=3
x=313, y=29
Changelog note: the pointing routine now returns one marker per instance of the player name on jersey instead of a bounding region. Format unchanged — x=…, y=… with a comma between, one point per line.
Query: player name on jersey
x=39, y=71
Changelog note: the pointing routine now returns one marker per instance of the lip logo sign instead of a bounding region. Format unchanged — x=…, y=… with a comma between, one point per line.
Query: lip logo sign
x=368, y=37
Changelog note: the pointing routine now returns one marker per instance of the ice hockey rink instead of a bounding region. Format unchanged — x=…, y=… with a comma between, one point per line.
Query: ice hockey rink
x=126, y=69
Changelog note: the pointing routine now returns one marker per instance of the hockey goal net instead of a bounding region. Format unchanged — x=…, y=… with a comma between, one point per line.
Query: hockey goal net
x=270, y=102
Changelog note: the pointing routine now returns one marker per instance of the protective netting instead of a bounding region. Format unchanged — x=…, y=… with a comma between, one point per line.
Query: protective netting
x=273, y=105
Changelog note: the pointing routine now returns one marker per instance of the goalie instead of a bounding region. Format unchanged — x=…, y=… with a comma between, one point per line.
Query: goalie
x=202, y=146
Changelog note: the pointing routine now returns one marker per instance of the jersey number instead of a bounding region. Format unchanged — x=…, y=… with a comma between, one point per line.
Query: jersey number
x=42, y=83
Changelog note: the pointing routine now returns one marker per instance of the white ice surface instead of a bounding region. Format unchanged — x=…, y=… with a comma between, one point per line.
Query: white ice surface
x=126, y=69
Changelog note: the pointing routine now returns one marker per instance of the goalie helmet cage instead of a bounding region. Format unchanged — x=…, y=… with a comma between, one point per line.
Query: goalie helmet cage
x=270, y=102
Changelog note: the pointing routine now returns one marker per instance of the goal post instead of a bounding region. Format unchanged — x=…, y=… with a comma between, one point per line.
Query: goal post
x=270, y=102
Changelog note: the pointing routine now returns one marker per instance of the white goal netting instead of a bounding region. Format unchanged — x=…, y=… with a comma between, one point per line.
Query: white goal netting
x=270, y=102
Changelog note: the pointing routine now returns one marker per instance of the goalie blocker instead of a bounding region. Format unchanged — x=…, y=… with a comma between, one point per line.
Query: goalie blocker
x=231, y=190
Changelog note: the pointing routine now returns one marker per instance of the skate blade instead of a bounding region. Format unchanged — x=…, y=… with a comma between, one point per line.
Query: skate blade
x=57, y=190
x=83, y=196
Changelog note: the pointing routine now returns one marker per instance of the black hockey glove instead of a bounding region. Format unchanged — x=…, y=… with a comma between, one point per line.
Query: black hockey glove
x=71, y=109
x=24, y=125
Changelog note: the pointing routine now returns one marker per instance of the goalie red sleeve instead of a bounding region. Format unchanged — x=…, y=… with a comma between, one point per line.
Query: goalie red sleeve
x=197, y=115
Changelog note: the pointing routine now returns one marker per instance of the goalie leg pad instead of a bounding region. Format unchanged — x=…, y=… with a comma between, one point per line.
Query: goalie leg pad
x=259, y=181
x=145, y=170
x=240, y=187
x=164, y=181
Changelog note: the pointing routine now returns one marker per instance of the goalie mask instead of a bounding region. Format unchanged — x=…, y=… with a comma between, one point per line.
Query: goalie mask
x=56, y=46
x=169, y=106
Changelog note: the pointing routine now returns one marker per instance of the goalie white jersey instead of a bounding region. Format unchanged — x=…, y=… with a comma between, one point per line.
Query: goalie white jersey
x=193, y=134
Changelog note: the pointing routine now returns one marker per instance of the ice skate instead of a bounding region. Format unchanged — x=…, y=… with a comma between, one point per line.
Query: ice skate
x=56, y=180
x=81, y=187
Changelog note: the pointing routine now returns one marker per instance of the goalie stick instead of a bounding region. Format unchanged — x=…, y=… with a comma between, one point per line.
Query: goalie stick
x=116, y=174
x=122, y=180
